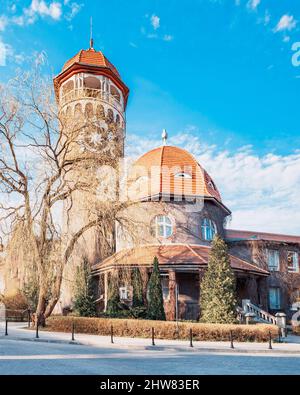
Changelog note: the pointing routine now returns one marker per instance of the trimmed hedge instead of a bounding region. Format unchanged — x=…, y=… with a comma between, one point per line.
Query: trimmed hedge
x=163, y=329
x=296, y=330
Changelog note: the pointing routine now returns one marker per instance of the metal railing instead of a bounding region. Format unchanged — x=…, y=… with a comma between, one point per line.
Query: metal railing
x=80, y=93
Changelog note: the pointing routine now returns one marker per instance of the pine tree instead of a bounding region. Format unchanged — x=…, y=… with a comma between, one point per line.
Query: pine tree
x=155, y=299
x=217, y=289
x=113, y=296
x=84, y=302
x=137, y=283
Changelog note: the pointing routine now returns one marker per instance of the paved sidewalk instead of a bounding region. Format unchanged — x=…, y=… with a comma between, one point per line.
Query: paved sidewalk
x=18, y=331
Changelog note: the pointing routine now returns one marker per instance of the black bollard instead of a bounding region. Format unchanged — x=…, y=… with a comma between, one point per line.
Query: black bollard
x=191, y=338
x=231, y=340
x=29, y=317
x=73, y=331
x=37, y=330
x=112, y=334
x=6, y=324
x=270, y=341
x=153, y=337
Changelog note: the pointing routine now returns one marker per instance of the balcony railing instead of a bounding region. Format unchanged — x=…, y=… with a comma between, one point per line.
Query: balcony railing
x=89, y=93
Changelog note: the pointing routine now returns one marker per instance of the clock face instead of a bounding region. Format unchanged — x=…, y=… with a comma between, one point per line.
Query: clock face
x=100, y=139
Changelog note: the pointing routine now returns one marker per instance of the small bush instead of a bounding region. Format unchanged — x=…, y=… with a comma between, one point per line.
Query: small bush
x=15, y=306
x=163, y=329
x=17, y=301
x=296, y=330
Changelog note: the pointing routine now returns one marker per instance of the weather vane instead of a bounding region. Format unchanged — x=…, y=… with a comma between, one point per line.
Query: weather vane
x=91, y=38
x=164, y=136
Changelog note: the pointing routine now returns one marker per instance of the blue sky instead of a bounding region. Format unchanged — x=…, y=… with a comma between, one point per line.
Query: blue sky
x=218, y=74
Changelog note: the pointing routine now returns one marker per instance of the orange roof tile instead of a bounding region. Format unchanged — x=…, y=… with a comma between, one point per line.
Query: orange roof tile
x=91, y=57
x=172, y=254
x=160, y=166
x=236, y=235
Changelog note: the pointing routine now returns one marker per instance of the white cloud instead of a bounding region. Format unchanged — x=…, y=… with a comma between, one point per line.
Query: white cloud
x=3, y=53
x=286, y=22
x=74, y=9
x=3, y=22
x=155, y=21
x=253, y=4
x=168, y=37
x=262, y=191
x=41, y=8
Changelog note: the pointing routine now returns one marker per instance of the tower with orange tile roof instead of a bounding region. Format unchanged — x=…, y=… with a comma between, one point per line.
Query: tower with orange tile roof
x=92, y=100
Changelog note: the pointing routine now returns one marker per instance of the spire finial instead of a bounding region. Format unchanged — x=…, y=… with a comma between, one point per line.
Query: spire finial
x=164, y=136
x=91, y=38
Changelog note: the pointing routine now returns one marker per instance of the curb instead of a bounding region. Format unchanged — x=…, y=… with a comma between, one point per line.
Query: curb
x=195, y=349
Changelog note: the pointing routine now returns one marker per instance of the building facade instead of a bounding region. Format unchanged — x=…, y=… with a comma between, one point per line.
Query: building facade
x=175, y=209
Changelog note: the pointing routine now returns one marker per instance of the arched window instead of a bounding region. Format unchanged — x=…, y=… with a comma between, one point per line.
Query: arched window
x=163, y=226
x=110, y=115
x=78, y=110
x=100, y=111
x=88, y=110
x=208, y=229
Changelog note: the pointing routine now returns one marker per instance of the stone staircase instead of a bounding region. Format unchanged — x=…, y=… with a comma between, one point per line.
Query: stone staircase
x=256, y=313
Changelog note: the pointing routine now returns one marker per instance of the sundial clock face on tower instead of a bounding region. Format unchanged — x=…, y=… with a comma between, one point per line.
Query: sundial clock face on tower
x=98, y=139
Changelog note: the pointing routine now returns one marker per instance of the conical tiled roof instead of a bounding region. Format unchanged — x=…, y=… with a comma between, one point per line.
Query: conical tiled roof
x=91, y=57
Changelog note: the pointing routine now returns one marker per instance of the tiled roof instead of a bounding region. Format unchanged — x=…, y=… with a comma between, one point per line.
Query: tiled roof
x=92, y=58
x=161, y=165
x=172, y=254
x=237, y=235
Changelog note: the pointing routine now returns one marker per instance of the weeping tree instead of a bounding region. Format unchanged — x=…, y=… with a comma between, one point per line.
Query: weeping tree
x=38, y=164
x=84, y=302
x=155, y=295
x=217, y=288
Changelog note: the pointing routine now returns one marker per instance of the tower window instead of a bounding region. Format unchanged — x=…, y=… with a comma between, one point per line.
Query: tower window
x=115, y=93
x=67, y=87
x=208, y=228
x=163, y=226
x=92, y=83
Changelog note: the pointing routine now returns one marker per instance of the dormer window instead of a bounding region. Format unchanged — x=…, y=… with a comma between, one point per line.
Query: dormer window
x=183, y=175
x=211, y=185
x=208, y=228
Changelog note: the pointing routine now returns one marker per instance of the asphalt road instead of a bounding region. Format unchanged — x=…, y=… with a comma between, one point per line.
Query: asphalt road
x=24, y=357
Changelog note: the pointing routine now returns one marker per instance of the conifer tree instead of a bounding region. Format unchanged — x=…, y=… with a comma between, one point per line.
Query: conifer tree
x=137, y=284
x=113, y=295
x=84, y=302
x=217, y=288
x=155, y=296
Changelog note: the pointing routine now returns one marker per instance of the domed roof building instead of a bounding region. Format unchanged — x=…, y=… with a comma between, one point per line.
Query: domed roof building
x=177, y=211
